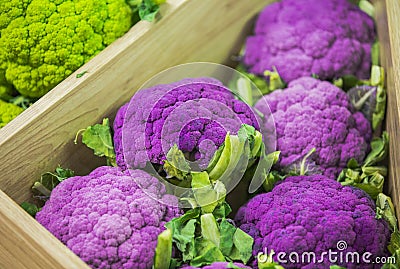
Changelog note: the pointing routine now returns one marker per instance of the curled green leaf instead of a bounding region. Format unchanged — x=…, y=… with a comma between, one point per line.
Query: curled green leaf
x=30, y=208
x=385, y=210
x=48, y=181
x=271, y=82
x=99, y=138
x=207, y=253
x=81, y=74
x=176, y=164
x=379, y=150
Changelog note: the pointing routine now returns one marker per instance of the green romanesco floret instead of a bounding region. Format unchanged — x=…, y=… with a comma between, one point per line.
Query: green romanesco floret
x=44, y=41
x=8, y=112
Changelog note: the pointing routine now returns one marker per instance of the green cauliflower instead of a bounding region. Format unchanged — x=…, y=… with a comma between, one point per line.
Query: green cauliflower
x=44, y=41
x=8, y=112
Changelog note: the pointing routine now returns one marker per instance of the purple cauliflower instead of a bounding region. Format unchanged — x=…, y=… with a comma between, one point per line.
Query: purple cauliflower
x=315, y=214
x=328, y=38
x=220, y=265
x=194, y=114
x=316, y=114
x=107, y=219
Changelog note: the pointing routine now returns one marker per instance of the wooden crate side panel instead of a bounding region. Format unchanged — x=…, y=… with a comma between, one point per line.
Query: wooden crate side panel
x=391, y=56
x=27, y=244
x=42, y=137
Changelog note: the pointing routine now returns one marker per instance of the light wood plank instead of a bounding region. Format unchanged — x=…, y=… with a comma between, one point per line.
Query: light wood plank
x=391, y=58
x=24, y=243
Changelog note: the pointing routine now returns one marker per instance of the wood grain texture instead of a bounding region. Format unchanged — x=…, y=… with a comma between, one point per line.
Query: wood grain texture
x=24, y=243
x=388, y=17
x=41, y=137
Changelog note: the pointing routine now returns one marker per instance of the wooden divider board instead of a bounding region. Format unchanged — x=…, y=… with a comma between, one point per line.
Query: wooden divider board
x=388, y=16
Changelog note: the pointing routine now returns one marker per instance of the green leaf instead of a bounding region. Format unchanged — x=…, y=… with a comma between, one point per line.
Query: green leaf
x=227, y=233
x=380, y=108
x=393, y=262
x=275, y=81
x=265, y=84
x=336, y=267
x=22, y=101
x=375, y=53
x=368, y=177
x=353, y=164
x=254, y=139
x=183, y=234
x=162, y=257
x=394, y=244
x=176, y=164
x=214, y=160
x=207, y=195
x=385, y=210
x=175, y=263
x=367, y=7
x=260, y=175
x=49, y=180
x=243, y=246
x=347, y=82
x=31, y=209
x=223, y=161
x=98, y=138
x=206, y=253
x=303, y=164
x=245, y=91
x=209, y=228
x=372, y=182
x=222, y=211
x=148, y=10
x=81, y=74
x=271, y=179
x=379, y=150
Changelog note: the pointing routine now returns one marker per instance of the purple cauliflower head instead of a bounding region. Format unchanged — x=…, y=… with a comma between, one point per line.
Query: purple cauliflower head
x=220, y=265
x=195, y=114
x=328, y=38
x=315, y=214
x=107, y=219
x=316, y=114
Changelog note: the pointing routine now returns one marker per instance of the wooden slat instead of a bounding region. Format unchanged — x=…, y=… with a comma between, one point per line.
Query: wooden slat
x=24, y=243
x=390, y=39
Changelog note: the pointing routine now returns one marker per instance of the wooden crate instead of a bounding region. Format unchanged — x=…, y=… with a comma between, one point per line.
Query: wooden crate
x=190, y=30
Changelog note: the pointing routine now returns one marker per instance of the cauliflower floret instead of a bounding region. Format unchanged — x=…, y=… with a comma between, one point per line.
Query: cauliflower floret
x=109, y=218
x=8, y=112
x=44, y=41
x=316, y=114
x=329, y=38
x=315, y=214
x=195, y=114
